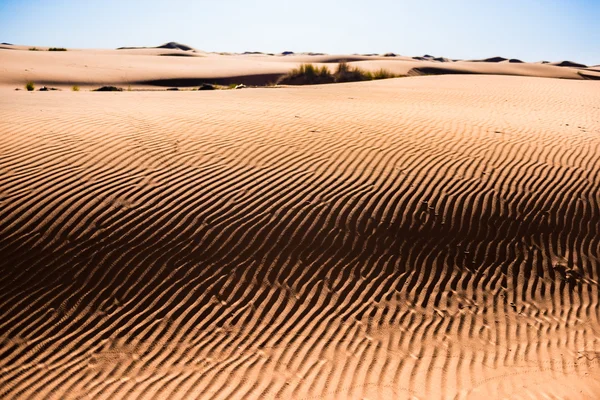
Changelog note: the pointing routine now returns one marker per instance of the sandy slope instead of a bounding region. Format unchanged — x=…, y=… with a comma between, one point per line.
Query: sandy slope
x=428, y=237
x=159, y=67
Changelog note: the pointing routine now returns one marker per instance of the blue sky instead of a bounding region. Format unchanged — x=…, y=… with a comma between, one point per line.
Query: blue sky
x=532, y=30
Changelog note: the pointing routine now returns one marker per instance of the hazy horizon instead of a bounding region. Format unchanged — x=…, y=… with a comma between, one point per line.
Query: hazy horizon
x=556, y=30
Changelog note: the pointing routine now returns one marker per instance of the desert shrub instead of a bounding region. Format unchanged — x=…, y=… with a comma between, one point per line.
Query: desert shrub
x=30, y=86
x=308, y=74
x=208, y=86
x=108, y=89
x=383, y=74
x=75, y=88
x=347, y=73
x=34, y=49
x=57, y=49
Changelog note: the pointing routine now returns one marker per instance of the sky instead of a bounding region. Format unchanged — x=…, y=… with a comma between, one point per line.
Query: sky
x=532, y=30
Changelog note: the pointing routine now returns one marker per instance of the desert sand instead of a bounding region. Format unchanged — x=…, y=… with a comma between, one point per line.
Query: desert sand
x=147, y=68
x=428, y=237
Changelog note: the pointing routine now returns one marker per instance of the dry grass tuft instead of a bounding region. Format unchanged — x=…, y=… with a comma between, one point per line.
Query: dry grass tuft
x=309, y=74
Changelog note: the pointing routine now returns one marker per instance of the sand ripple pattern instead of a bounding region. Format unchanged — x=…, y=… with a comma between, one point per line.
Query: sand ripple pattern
x=429, y=237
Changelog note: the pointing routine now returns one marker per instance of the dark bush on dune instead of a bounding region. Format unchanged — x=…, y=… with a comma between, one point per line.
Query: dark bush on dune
x=108, y=89
x=57, y=49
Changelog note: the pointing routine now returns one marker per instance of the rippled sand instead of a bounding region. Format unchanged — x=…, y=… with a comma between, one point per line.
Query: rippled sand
x=430, y=237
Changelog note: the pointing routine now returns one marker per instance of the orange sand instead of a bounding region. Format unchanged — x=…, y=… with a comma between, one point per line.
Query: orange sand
x=431, y=237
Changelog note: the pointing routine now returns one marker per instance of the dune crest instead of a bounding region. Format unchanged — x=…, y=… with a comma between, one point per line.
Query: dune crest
x=169, y=45
x=176, y=64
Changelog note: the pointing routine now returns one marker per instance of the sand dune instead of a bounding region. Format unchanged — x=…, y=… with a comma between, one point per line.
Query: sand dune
x=426, y=238
x=174, y=64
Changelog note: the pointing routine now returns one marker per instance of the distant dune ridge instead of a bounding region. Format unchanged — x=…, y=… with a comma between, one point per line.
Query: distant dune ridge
x=569, y=64
x=183, y=66
x=432, y=237
x=169, y=45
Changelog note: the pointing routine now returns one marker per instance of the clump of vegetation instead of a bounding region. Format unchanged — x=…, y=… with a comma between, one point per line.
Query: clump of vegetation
x=34, y=49
x=108, y=89
x=383, y=74
x=30, y=86
x=75, y=88
x=57, y=49
x=308, y=74
x=347, y=73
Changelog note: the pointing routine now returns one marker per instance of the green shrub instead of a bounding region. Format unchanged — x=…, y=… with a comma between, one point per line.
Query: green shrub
x=30, y=86
x=57, y=49
x=34, y=49
x=75, y=88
